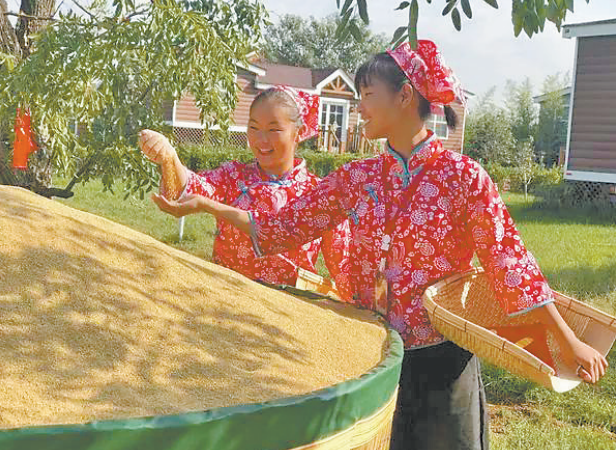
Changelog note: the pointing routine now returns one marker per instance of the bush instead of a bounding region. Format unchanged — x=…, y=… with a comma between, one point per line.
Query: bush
x=322, y=163
x=197, y=157
x=542, y=177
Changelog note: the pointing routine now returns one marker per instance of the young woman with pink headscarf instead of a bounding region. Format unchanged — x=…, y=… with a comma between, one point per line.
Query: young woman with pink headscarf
x=280, y=118
x=419, y=213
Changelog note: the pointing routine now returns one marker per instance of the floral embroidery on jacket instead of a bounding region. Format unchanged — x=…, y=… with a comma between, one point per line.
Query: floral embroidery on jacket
x=454, y=213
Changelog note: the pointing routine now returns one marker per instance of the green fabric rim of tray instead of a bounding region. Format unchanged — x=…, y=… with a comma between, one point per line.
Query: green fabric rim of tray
x=275, y=425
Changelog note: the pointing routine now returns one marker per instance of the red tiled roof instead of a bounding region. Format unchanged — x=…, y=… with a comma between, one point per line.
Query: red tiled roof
x=299, y=77
x=319, y=75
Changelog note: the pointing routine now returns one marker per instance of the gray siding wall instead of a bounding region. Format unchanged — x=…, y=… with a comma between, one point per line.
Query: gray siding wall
x=593, y=127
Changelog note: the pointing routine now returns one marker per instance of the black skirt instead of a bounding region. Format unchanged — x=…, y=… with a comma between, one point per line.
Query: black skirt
x=441, y=401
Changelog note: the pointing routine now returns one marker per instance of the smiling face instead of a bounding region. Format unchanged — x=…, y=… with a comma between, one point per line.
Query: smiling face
x=273, y=134
x=379, y=108
x=389, y=104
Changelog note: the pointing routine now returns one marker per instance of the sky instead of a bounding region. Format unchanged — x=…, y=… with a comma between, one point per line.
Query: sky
x=485, y=53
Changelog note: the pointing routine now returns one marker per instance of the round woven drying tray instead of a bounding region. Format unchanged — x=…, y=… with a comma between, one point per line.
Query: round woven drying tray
x=464, y=309
x=353, y=415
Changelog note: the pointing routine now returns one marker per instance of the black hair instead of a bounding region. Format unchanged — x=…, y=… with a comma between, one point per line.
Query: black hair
x=283, y=99
x=383, y=67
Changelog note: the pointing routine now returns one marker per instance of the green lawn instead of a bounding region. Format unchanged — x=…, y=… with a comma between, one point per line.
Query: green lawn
x=577, y=252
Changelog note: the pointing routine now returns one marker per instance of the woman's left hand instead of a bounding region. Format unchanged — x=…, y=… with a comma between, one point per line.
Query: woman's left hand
x=588, y=363
x=185, y=205
x=591, y=365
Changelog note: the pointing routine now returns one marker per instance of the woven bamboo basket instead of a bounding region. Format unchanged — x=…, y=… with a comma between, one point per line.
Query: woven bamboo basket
x=371, y=433
x=310, y=281
x=49, y=248
x=464, y=309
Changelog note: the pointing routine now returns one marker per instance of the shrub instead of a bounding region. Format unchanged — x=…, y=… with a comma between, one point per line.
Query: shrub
x=542, y=177
x=322, y=163
x=197, y=157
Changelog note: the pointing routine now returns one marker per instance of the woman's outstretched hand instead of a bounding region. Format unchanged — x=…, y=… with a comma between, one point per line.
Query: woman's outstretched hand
x=185, y=205
x=193, y=204
x=155, y=146
x=590, y=364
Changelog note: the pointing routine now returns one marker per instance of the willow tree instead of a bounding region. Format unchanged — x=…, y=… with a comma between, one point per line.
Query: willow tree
x=93, y=79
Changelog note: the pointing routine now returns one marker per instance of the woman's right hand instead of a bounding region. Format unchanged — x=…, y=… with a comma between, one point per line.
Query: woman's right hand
x=188, y=204
x=155, y=146
x=193, y=204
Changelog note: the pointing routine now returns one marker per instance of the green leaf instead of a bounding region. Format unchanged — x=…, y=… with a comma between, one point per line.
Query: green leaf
x=399, y=34
x=342, y=26
x=531, y=24
x=552, y=12
x=413, y=17
x=450, y=5
x=354, y=29
x=492, y=3
x=541, y=20
x=466, y=7
x=402, y=6
x=362, y=6
x=455, y=18
x=518, y=23
x=345, y=7
x=570, y=5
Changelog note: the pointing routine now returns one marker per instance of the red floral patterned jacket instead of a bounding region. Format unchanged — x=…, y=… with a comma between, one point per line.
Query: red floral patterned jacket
x=454, y=212
x=247, y=186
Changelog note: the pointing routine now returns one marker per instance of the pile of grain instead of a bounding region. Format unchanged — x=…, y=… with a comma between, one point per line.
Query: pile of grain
x=98, y=321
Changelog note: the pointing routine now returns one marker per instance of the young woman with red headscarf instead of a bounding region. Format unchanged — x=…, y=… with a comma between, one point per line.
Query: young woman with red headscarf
x=280, y=118
x=418, y=213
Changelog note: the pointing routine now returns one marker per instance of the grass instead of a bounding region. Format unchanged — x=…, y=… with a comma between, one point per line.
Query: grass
x=575, y=249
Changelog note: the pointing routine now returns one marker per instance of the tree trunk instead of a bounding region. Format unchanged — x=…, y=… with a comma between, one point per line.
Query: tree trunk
x=8, y=38
x=17, y=41
x=26, y=27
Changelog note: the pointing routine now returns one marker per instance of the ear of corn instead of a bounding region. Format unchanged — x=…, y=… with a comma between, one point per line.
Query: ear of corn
x=170, y=184
x=158, y=149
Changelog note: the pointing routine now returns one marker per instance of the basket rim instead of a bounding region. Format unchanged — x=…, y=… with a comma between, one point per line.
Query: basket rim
x=439, y=313
x=488, y=337
x=360, y=433
x=561, y=299
x=274, y=422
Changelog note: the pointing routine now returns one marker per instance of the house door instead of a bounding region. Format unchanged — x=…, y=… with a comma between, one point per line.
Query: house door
x=333, y=119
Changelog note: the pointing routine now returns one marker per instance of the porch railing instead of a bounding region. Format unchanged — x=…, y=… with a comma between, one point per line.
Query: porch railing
x=353, y=141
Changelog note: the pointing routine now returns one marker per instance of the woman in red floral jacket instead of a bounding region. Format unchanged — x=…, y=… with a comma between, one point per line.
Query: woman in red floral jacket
x=418, y=213
x=280, y=118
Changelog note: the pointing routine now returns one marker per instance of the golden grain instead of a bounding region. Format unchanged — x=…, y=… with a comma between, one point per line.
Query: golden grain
x=98, y=321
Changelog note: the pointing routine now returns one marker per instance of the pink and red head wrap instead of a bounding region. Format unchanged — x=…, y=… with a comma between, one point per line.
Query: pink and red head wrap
x=308, y=106
x=428, y=72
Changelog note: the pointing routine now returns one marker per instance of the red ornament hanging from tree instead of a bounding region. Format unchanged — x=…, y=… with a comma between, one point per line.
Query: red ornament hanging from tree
x=24, y=140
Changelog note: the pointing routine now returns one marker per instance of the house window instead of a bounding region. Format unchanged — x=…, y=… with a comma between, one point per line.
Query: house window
x=334, y=118
x=438, y=124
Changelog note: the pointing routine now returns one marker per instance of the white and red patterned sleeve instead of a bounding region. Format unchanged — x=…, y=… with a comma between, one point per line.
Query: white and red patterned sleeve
x=336, y=253
x=514, y=273
x=319, y=209
x=213, y=183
